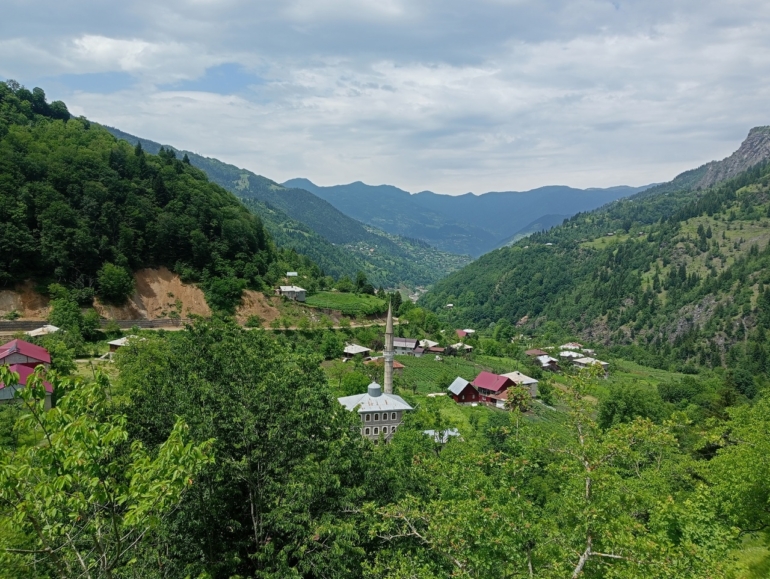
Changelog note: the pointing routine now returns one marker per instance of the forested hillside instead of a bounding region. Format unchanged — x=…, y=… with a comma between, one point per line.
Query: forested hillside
x=299, y=220
x=672, y=279
x=83, y=209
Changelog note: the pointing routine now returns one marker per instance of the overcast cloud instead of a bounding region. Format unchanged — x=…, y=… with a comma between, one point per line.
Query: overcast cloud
x=451, y=96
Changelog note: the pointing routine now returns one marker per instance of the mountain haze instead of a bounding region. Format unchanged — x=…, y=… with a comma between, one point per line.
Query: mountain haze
x=466, y=223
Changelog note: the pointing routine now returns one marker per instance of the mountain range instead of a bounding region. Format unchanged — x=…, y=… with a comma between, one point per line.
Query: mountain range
x=674, y=276
x=465, y=224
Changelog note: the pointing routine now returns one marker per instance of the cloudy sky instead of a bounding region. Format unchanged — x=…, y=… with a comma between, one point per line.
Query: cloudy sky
x=447, y=95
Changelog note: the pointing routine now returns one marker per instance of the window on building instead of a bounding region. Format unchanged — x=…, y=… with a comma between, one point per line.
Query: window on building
x=376, y=430
x=393, y=416
x=368, y=417
x=366, y=432
x=376, y=417
x=384, y=429
x=462, y=397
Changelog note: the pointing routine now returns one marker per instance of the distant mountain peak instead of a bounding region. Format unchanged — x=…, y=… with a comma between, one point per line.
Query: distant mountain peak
x=754, y=149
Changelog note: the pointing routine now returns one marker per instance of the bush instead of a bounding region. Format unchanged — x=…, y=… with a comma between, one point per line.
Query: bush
x=546, y=393
x=254, y=322
x=115, y=284
x=224, y=294
x=625, y=403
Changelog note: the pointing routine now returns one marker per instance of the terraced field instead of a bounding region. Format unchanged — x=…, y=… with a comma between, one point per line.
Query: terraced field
x=347, y=303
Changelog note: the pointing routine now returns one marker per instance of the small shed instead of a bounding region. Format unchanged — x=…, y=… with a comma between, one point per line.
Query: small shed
x=120, y=342
x=291, y=274
x=463, y=392
x=352, y=350
x=42, y=331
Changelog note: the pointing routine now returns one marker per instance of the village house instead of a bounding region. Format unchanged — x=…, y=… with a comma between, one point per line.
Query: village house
x=588, y=362
x=406, y=347
x=524, y=381
x=380, y=361
x=463, y=392
x=291, y=274
x=491, y=388
x=569, y=354
x=22, y=357
x=19, y=352
x=352, y=350
x=460, y=347
x=571, y=346
x=534, y=353
x=548, y=363
x=428, y=344
x=291, y=292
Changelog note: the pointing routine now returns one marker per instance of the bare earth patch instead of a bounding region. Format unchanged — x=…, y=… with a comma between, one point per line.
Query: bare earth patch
x=256, y=304
x=25, y=300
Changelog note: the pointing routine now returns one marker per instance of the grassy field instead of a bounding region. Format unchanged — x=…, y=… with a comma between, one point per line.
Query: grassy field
x=347, y=303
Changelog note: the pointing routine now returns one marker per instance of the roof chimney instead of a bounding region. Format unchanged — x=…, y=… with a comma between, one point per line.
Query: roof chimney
x=375, y=390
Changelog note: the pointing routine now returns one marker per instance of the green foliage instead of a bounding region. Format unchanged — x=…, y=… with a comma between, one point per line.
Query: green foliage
x=87, y=496
x=74, y=199
x=626, y=403
x=224, y=294
x=288, y=463
x=331, y=346
x=354, y=383
x=115, y=284
x=347, y=303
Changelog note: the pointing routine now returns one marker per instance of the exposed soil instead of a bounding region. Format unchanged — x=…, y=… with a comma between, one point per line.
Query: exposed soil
x=26, y=301
x=256, y=304
x=158, y=293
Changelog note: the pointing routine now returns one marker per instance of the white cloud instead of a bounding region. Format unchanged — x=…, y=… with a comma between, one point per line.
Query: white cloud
x=444, y=95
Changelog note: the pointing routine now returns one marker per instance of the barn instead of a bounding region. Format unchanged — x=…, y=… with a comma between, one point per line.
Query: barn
x=463, y=392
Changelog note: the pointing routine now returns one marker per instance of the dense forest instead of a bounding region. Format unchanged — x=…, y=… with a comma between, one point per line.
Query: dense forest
x=674, y=279
x=84, y=210
x=219, y=452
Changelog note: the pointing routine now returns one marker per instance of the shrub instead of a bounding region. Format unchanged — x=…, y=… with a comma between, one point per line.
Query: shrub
x=115, y=284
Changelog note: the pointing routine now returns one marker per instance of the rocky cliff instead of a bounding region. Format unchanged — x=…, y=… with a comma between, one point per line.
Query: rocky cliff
x=753, y=150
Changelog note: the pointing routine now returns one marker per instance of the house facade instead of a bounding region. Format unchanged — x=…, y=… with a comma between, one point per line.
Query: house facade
x=381, y=413
x=406, y=346
x=463, y=392
x=292, y=292
x=19, y=352
x=524, y=381
x=490, y=387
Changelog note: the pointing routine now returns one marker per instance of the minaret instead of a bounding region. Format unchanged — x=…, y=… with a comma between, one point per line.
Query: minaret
x=388, y=353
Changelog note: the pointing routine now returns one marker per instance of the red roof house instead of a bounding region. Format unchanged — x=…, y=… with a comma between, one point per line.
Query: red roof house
x=24, y=353
x=489, y=384
x=461, y=333
x=24, y=372
x=536, y=352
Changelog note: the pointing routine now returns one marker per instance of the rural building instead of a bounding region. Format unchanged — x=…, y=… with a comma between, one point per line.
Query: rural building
x=291, y=274
x=22, y=357
x=571, y=346
x=405, y=346
x=463, y=392
x=535, y=353
x=19, y=352
x=42, y=331
x=354, y=350
x=380, y=413
x=490, y=385
x=449, y=306
x=570, y=354
x=380, y=361
x=524, y=381
x=588, y=362
x=291, y=292
x=548, y=363
x=428, y=344
x=120, y=342
x=460, y=347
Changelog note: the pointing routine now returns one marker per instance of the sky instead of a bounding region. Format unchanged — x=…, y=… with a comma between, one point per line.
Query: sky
x=444, y=95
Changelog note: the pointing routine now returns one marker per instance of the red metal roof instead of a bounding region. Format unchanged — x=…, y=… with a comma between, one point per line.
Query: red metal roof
x=492, y=382
x=24, y=373
x=461, y=333
x=25, y=349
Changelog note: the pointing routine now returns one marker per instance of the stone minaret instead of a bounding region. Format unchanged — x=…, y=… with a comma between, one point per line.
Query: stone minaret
x=388, y=353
